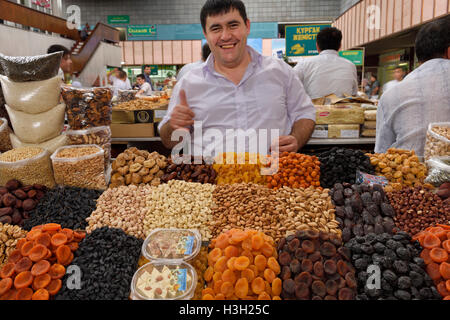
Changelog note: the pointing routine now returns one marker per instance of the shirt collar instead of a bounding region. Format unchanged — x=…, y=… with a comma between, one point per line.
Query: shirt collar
x=255, y=56
x=330, y=51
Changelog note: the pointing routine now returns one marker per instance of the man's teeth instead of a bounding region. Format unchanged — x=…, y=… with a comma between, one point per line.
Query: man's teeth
x=228, y=46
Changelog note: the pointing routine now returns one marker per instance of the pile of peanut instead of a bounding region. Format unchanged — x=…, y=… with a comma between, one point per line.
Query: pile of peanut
x=137, y=167
x=438, y=146
x=401, y=167
x=122, y=207
x=180, y=204
x=9, y=235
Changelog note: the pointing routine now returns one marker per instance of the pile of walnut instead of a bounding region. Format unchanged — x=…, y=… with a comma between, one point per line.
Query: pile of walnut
x=137, y=167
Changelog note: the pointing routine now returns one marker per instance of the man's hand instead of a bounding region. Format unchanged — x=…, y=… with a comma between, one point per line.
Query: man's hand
x=182, y=116
x=288, y=144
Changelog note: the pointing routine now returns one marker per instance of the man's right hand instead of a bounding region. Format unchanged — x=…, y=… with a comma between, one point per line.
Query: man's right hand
x=182, y=116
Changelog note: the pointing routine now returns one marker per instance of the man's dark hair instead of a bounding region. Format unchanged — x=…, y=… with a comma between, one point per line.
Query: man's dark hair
x=141, y=76
x=329, y=39
x=216, y=7
x=433, y=40
x=399, y=67
x=375, y=76
x=147, y=66
x=56, y=48
x=205, y=51
x=122, y=74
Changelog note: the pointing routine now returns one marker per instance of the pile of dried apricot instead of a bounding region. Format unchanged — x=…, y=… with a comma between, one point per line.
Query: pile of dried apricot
x=234, y=167
x=242, y=265
x=34, y=270
x=296, y=170
x=436, y=254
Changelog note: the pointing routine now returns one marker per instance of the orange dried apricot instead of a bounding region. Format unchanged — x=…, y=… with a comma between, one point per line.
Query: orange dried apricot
x=215, y=254
x=230, y=263
x=260, y=262
x=430, y=241
x=32, y=235
x=26, y=248
x=258, y=285
x=40, y=268
x=241, y=263
x=231, y=251
x=264, y=296
x=444, y=270
x=229, y=276
x=438, y=255
x=38, y=252
x=276, y=287
x=54, y=286
x=23, y=279
x=7, y=270
x=5, y=285
x=40, y=282
x=273, y=264
x=239, y=236
x=24, y=294
x=208, y=274
x=248, y=274
x=207, y=297
x=57, y=271
x=241, y=288
x=219, y=296
x=222, y=241
x=248, y=254
x=41, y=294
x=221, y=264
x=257, y=242
x=14, y=256
x=218, y=286
x=227, y=289
x=267, y=250
x=433, y=271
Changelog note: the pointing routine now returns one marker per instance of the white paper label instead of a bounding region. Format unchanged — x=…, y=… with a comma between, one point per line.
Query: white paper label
x=349, y=133
x=159, y=114
x=321, y=134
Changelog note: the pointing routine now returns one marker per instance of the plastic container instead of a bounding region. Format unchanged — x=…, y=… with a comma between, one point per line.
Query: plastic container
x=172, y=244
x=81, y=166
x=32, y=96
x=181, y=286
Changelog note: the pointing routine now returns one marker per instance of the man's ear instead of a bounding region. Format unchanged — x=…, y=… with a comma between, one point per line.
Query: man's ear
x=247, y=23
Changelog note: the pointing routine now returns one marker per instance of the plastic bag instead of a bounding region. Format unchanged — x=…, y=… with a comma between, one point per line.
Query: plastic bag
x=126, y=95
x=32, y=96
x=5, y=143
x=100, y=136
x=29, y=165
x=37, y=128
x=87, y=108
x=438, y=171
x=3, y=113
x=438, y=140
x=49, y=145
x=34, y=68
x=80, y=166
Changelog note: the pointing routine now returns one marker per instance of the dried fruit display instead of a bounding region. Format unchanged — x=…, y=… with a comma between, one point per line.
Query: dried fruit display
x=401, y=167
x=201, y=172
x=9, y=236
x=362, y=209
x=295, y=170
x=340, y=165
x=35, y=268
x=234, y=167
x=242, y=265
x=200, y=264
x=418, y=208
x=137, y=167
x=436, y=255
x=314, y=265
x=396, y=261
x=108, y=259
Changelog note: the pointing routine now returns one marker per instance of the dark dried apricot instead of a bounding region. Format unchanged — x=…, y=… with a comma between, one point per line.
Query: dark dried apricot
x=327, y=249
x=293, y=245
x=318, y=269
x=332, y=287
x=285, y=273
x=346, y=294
x=304, y=277
x=316, y=298
x=284, y=258
x=307, y=265
x=311, y=234
x=330, y=267
x=342, y=268
x=295, y=266
x=316, y=256
x=350, y=280
x=289, y=286
x=330, y=298
x=318, y=287
x=301, y=290
x=300, y=254
x=308, y=246
x=324, y=236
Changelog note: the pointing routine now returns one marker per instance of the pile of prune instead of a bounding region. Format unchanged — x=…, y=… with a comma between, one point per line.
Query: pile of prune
x=362, y=209
x=107, y=259
x=340, y=165
x=392, y=262
x=316, y=266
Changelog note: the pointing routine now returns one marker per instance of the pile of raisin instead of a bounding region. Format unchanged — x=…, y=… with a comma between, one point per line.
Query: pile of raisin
x=362, y=209
x=340, y=165
x=388, y=267
x=315, y=266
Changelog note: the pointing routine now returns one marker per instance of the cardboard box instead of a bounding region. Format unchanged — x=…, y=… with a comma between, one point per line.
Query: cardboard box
x=135, y=130
x=343, y=131
x=339, y=114
x=139, y=116
x=320, y=132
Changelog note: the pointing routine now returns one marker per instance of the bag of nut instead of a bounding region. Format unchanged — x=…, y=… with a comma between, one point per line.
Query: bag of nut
x=100, y=136
x=81, y=166
x=5, y=142
x=438, y=140
x=438, y=171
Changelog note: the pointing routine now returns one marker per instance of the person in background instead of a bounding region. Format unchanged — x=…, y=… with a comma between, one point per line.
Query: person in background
x=144, y=87
x=205, y=53
x=423, y=97
x=121, y=82
x=147, y=72
x=238, y=88
x=327, y=73
x=66, y=62
x=399, y=74
x=374, y=87
x=84, y=34
x=366, y=87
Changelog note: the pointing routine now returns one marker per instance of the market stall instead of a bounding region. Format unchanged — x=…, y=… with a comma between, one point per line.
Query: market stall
x=147, y=228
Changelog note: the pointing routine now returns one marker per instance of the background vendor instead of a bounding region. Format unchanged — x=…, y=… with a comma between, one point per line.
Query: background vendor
x=421, y=98
x=238, y=88
x=144, y=87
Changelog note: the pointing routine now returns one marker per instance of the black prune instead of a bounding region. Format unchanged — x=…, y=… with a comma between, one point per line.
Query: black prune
x=425, y=293
x=348, y=192
x=378, y=228
x=404, y=282
x=361, y=264
x=340, y=212
x=402, y=295
x=379, y=247
x=400, y=267
x=419, y=261
x=366, y=198
x=377, y=197
x=392, y=244
x=356, y=203
x=358, y=230
x=414, y=267
x=416, y=279
x=367, y=217
x=403, y=253
x=386, y=286
x=387, y=210
x=367, y=249
x=368, y=229
x=346, y=234
x=338, y=197
x=390, y=276
x=349, y=212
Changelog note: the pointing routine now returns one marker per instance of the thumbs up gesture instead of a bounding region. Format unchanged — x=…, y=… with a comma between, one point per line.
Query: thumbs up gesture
x=182, y=116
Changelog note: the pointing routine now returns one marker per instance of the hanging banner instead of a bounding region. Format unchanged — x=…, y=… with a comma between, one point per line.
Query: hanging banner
x=301, y=39
x=141, y=31
x=42, y=3
x=118, y=19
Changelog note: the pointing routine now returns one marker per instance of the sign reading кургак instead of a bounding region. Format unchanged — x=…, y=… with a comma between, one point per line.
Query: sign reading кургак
x=301, y=39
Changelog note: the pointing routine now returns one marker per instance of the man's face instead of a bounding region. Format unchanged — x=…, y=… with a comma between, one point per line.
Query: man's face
x=372, y=79
x=147, y=70
x=227, y=37
x=398, y=74
x=140, y=81
x=66, y=63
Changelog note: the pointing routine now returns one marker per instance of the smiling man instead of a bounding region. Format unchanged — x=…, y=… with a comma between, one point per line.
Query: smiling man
x=237, y=88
